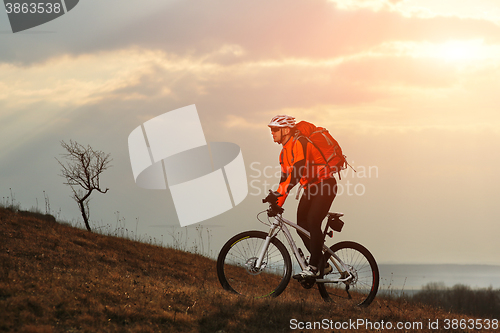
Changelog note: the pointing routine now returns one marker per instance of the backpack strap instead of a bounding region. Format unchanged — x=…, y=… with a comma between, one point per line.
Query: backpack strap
x=315, y=146
x=304, y=149
x=332, y=155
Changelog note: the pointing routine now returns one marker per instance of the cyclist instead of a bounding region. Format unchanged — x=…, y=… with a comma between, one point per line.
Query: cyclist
x=320, y=187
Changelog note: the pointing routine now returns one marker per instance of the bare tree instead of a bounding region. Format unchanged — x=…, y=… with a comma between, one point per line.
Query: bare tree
x=82, y=171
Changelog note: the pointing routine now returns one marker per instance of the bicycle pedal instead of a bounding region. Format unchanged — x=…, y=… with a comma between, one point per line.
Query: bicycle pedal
x=299, y=278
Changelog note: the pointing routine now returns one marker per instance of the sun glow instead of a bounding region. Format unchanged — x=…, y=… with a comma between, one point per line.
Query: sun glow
x=461, y=50
x=452, y=51
x=374, y=5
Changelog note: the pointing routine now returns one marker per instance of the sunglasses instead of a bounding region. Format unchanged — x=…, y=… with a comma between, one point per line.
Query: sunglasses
x=275, y=129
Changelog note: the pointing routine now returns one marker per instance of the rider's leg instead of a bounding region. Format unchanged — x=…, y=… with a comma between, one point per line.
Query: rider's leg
x=313, y=208
x=302, y=212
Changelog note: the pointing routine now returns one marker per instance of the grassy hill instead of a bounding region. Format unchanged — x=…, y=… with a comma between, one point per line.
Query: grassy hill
x=57, y=278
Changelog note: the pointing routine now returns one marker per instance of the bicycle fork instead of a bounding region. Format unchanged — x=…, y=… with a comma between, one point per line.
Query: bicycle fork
x=265, y=246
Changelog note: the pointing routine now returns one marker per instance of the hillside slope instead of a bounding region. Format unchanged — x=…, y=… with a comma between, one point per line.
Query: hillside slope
x=57, y=278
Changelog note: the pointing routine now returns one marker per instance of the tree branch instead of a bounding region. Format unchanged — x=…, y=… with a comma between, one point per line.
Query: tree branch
x=83, y=168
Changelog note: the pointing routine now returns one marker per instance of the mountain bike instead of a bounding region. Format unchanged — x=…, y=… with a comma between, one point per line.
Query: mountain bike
x=257, y=264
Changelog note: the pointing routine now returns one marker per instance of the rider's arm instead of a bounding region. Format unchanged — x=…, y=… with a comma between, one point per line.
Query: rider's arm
x=296, y=171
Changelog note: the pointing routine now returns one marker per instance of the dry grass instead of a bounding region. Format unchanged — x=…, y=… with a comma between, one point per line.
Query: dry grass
x=56, y=278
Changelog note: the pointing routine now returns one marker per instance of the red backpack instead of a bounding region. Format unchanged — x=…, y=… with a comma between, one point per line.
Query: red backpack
x=328, y=151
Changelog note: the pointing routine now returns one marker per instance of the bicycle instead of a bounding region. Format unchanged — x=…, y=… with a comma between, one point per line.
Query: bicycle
x=257, y=264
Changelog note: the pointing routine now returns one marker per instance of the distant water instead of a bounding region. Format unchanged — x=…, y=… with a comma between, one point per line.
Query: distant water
x=410, y=278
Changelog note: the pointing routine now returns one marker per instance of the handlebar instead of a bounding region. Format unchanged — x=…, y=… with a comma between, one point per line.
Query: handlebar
x=272, y=199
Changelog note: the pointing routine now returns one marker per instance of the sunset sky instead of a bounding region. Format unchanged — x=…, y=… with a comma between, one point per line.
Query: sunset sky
x=409, y=88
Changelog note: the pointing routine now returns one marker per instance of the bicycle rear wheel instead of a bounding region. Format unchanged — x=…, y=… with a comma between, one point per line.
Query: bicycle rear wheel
x=362, y=287
x=236, y=265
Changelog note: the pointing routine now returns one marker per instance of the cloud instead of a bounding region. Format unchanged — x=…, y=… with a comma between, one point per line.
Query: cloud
x=393, y=76
x=258, y=30
x=300, y=58
x=275, y=30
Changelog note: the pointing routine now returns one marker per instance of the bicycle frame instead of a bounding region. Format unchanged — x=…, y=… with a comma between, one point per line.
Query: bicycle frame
x=281, y=222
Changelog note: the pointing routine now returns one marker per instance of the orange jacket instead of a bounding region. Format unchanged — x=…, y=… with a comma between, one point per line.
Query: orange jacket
x=292, y=161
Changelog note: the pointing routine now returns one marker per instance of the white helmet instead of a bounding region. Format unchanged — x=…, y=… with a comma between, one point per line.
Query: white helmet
x=282, y=121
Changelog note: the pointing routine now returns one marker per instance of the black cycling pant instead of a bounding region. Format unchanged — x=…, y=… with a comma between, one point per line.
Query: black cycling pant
x=313, y=208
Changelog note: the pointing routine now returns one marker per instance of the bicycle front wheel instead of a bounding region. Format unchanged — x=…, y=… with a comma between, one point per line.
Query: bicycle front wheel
x=361, y=286
x=237, y=271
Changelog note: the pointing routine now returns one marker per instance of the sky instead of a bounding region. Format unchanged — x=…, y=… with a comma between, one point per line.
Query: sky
x=408, y=88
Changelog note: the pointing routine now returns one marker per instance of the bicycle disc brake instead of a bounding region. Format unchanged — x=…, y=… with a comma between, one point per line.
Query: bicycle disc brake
x=352, y=281
x=354, y=276
x=250, y=266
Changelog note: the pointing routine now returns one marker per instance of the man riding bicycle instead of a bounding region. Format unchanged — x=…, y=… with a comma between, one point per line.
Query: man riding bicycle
x=320, y=187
